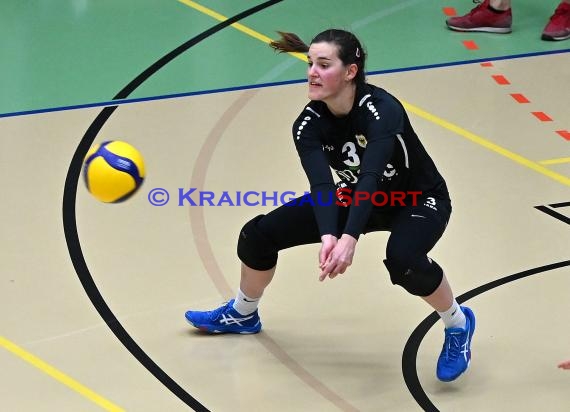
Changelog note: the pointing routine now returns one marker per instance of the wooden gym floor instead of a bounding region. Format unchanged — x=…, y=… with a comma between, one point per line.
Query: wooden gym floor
x=93, y=295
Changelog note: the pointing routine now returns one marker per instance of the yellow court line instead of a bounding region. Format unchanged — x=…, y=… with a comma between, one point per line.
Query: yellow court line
x=413, y=109
x=489, y=145
x=59, y=376
x=238, y=26
x=555, y=161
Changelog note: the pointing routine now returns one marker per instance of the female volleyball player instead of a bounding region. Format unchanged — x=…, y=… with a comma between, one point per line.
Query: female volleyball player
x=362, y=133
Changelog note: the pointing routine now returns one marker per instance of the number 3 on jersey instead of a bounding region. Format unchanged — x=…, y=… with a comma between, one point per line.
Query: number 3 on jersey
x=352, y=157
x=351, y=161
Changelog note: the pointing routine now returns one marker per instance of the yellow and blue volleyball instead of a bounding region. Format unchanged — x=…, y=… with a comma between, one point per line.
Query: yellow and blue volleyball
x=113, y=171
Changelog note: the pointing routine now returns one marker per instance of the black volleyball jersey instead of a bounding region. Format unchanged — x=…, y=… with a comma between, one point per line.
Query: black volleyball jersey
x=373, y=148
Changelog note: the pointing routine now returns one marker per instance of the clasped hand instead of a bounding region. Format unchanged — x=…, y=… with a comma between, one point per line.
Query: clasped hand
x=335, y=255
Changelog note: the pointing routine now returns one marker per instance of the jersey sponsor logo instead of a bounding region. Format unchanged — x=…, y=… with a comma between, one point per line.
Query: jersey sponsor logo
x=373, y=110
x=389, y=172
x=361, y=140
x=430, y=202
x=348, y=175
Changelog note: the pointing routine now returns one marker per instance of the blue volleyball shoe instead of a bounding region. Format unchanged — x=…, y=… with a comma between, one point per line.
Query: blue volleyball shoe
x=224, y=319
x=456, y=353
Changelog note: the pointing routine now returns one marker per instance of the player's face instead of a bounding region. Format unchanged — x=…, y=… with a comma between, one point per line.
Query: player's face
x=326, y=73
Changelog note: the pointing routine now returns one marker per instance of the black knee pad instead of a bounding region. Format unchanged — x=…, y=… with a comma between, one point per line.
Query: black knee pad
x=417, y=282
x=254, y=248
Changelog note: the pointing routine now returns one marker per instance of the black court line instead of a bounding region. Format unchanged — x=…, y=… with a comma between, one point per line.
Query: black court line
x=553, y=213
x=412, y=345
x=272, y=84
x=69, y=216
x=557, y=205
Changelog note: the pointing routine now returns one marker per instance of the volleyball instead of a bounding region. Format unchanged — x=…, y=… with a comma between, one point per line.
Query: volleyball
x=113, y=171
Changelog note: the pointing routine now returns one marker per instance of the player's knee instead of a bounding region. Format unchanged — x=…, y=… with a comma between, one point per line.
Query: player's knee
x=417, y=279
x=254, y=248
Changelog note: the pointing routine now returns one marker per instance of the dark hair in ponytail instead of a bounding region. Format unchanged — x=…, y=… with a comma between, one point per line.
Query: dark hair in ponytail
x=289, y=42
x=350, y=50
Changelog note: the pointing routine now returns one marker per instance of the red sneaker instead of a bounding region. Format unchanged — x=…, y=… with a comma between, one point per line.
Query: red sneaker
x=481, y=18
x=558, y=28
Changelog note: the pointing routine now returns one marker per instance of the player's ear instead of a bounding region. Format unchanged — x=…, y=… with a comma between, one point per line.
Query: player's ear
x=351, y=71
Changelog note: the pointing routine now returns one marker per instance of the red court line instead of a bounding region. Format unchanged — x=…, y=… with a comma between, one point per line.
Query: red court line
x=564, y=133
x=520, y=98
x=500, y=79
x=543, y=117
x=470, y=45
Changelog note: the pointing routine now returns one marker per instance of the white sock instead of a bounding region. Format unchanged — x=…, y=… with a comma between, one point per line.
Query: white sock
x=244, y=304
x=453, y=317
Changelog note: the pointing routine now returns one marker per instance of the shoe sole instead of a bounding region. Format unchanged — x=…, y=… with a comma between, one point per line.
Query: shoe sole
x=496, y=30
x=555, y=38
x=204, y=328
